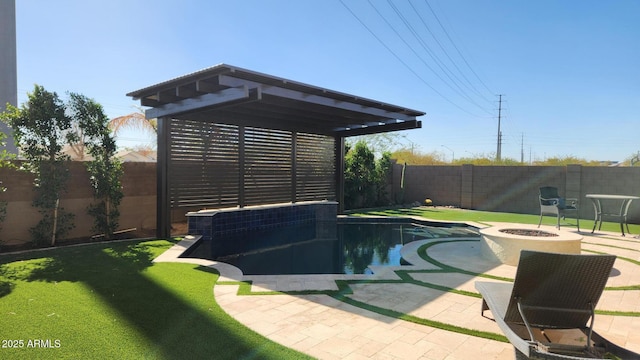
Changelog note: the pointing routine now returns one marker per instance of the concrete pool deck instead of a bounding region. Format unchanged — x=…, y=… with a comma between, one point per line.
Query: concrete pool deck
x=407, y=314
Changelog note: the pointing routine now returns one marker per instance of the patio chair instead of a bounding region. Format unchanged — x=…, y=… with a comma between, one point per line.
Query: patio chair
x=552, y=204
x=548, y=311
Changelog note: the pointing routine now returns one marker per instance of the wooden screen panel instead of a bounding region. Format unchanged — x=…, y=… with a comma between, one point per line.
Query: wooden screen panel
x=315, y=169
x=204, y=166
x=206, y=170
x=267, y=166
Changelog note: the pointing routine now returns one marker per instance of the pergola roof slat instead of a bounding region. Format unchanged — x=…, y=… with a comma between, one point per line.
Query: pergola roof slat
x=223, y=97
x=306, y=97
x=227, y=91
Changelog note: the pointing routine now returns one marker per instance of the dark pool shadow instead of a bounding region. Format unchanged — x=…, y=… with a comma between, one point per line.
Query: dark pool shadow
x=178, y=329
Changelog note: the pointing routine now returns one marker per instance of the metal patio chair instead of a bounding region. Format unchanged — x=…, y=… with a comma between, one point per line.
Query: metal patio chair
x=548, y=311
x=553, y=204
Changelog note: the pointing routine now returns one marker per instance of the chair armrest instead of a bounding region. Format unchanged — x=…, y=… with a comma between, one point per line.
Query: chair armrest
x=549, y=201
x=572, y=201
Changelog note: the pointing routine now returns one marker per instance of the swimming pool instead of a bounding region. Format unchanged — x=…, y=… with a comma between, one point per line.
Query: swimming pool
x=329, y=248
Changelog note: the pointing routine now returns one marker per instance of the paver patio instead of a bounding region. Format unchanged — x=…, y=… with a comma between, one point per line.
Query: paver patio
x=409, y=314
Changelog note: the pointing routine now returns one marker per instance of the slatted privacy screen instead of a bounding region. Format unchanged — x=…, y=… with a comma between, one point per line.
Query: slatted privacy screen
x=204, y=165
x=217, y=165
x=268, y=166
x=315, y=170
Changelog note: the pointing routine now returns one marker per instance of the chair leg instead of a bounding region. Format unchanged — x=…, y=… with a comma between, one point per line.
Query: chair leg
x=558, y=225
x=540, y=222
x=484, y=308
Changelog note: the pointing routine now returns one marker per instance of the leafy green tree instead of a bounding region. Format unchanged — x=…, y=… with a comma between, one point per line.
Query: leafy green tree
x=40, y=128
x=105, y=170
x=383, y=170
x=359, y=177
x=365, y=179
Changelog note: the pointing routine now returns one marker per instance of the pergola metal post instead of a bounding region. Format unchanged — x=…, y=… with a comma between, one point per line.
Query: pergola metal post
x=339, y=151
x=241, y=164
x=294, y=166
x=163, y=208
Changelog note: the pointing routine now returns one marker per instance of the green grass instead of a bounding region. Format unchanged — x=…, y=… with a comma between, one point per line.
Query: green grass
x=453, y=214
x=110, y=301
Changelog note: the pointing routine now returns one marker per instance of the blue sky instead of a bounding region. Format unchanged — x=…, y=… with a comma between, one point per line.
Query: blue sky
x=568, y=70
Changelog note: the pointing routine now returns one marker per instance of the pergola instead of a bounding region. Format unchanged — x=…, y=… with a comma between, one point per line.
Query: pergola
x=231, y=137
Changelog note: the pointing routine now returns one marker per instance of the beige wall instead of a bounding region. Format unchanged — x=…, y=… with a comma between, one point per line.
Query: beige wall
x=137, y=210
x=492, y=188
x=515, y=188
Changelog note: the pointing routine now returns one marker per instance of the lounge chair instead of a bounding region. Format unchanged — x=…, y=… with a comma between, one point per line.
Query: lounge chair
x=548, y=312
x=553, y=204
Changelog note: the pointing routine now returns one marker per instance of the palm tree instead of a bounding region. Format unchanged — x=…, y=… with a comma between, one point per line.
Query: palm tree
x=135, y=121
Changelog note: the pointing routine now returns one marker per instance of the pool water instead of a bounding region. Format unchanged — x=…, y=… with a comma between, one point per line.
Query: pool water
x=333, y=248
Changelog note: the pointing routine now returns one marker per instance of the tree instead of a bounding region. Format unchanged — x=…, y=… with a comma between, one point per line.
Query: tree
x=566, y=160
x=381, y=142
x=77, y=141
x=365, y=179
x=383, y=170
x=105, y=170
x=40, y=128
x=411, y=157
x=359, y=176
x=136, y=120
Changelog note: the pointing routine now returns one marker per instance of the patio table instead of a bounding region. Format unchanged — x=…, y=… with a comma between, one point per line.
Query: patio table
x=622, y=213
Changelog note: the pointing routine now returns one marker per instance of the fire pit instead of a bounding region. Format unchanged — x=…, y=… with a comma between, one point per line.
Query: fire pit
x=503, y=243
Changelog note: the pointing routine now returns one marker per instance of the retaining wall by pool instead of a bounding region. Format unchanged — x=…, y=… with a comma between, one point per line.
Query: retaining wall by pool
x=220, y=222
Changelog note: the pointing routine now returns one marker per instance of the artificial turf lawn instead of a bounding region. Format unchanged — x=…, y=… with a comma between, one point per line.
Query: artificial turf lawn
x=110, y=301
x=454, y=214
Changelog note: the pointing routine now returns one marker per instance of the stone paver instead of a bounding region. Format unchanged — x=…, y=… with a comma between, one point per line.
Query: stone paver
x=327, y=328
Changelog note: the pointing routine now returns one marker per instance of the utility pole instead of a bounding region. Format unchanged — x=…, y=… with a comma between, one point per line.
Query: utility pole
x=453, y=155
x=522, y=149
x=499, y=149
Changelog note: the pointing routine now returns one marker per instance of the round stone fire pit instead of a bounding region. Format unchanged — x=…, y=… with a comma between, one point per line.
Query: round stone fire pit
x=503, y=243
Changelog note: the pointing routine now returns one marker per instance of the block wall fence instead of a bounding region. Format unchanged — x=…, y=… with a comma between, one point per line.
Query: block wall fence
x=137, y=210
x=514, y=188
x=492, y=188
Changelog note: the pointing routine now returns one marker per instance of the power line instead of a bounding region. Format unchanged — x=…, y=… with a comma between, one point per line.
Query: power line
x=443, y=67
x=454, y=45
x=413, y=50
x=402, y=61
x=444, y=50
